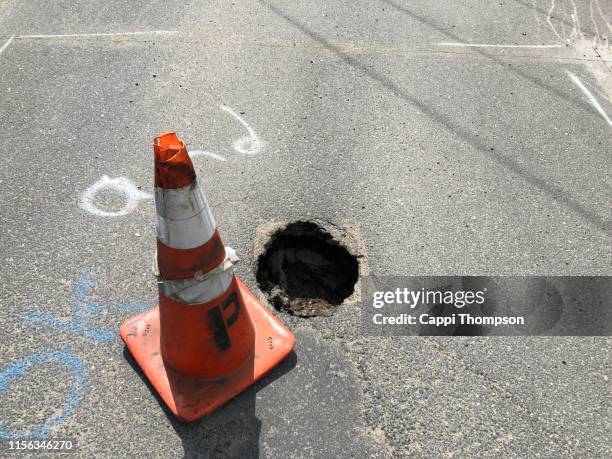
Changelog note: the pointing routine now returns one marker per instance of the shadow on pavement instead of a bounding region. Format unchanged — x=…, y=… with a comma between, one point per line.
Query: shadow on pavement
x=556, y=192
x=231, y=431
x=491, y=56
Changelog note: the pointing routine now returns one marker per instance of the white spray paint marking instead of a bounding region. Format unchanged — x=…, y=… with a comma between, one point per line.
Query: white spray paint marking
x=603, y=16
x=210, y=154
x=486, y=45
x=590, y=97
x=568, y=12
x=586, y=41
x=563, y=20
x=121, y=185
x=93, y=35
x=595, y=40
x=536, y=18
x=576, y=20
x=248, y=145
x=6, y=45
x=548, y=19
x=576, y=29
x=574, y=32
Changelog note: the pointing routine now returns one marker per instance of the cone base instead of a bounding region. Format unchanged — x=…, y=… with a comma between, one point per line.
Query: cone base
x=189, y=398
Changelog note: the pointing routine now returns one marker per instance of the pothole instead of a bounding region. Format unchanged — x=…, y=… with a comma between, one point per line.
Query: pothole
x=306, y=271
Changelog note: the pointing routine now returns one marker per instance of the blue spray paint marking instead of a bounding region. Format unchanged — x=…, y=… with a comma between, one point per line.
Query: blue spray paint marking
x=84, y=312
x=78, y=328
x=18, y=369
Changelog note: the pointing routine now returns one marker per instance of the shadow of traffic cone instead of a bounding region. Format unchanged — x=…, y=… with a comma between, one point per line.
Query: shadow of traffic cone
x=210, y=338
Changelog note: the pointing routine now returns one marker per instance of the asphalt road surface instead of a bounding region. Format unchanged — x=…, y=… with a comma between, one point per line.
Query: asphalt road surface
x=452, y=157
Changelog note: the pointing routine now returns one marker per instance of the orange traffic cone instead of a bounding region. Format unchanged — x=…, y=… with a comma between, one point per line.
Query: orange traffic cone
x=210, y=338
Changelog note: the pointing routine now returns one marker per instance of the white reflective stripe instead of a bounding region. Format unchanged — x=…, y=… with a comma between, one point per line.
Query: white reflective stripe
x=180, y=203
x=231, y=258
x=184, y=234
x=197, y=291
x=184, y=220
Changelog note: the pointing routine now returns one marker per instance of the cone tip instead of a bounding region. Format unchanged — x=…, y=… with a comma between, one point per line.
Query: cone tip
x=173, y=167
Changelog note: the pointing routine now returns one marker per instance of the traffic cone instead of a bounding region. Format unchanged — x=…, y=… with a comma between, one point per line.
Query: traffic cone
x=210, y=338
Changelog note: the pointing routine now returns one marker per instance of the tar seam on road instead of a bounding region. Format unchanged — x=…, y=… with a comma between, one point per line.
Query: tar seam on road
x=556, y=192
x=488, y=55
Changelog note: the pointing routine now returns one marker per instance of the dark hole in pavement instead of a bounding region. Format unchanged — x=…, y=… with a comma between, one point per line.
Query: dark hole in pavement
x=305, y=271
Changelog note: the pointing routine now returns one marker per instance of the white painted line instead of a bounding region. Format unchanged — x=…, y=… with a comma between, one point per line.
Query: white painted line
x=250, y=144
x=485, y=45
x=590, y=96
x=92, y=35
x=196, y=153
x=120, y=185
x=594, y=22
x=6, y=45
x=577, y=30
x=549, y=19
x=603, y=16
